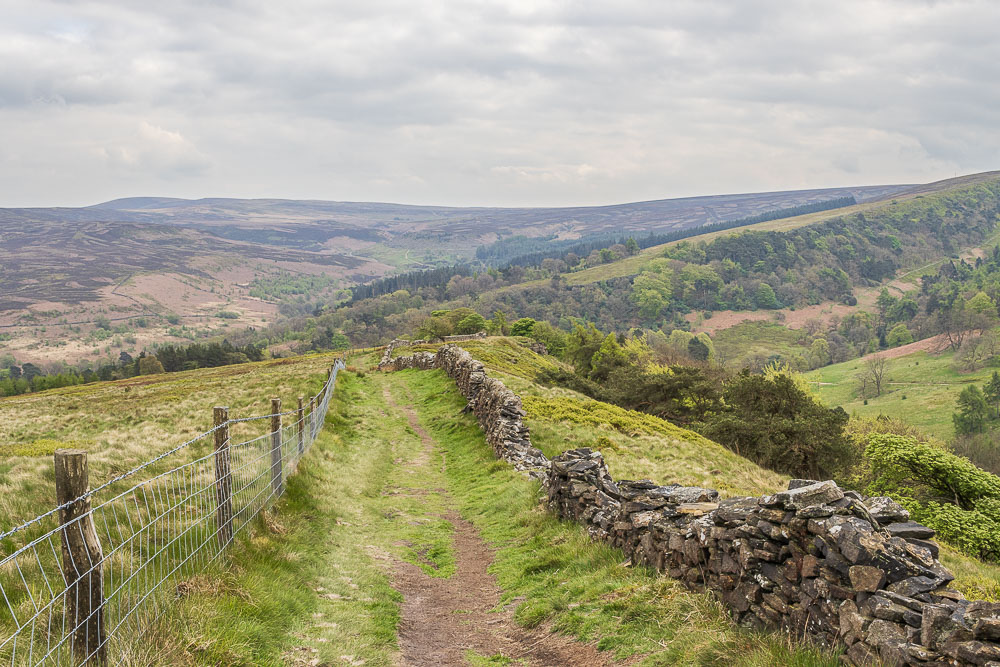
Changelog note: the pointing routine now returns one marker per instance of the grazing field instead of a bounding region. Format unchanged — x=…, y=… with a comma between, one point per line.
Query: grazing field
x=921, y=388
x=124, y=423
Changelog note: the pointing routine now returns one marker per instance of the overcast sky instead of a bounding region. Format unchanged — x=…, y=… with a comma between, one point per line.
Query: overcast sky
x=467, y=102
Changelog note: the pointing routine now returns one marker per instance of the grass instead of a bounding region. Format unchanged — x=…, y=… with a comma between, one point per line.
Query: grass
x=929, y=382
x=315, y=586
x=639, y=446
x=125, y=423
x=569, y=583
x=765, y=339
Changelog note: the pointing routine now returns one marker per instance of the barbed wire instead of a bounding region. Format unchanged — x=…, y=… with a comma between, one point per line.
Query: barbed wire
x=142, y=545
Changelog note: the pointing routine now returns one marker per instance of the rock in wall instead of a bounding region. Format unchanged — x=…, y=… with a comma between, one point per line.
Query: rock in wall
x=816, y=561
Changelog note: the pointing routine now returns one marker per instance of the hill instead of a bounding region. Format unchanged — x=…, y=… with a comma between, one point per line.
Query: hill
x=381, y=544
x=163, y=269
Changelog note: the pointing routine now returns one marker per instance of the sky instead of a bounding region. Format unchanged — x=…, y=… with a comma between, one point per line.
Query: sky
x=470, y=102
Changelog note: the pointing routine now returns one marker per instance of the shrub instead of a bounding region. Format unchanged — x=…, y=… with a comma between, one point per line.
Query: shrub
x=523, y=327
x=944, y=491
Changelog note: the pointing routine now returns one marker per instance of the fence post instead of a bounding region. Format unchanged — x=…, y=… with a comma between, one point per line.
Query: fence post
x=312, y=418
x=276, y=485
x=223, y=477
x=82, y=558
x=302, y=428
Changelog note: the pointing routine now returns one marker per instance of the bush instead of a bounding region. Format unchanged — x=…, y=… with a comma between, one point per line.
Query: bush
x=523, y=327
x=944, y=491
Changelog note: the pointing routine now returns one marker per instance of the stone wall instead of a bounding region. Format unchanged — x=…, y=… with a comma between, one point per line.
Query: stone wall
x=497, y=408
x=816, y=561
x=463, y=337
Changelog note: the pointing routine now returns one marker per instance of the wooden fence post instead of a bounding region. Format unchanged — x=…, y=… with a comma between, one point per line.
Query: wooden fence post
x=82, y=558
x=312, y=417
x=302, y=428
x=223, y=478
x=276, y=485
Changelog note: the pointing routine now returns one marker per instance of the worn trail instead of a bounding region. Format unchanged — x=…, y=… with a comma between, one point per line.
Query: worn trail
x=444, y=619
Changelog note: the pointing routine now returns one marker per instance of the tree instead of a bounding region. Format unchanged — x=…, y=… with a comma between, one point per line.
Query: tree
x=991, y=390
x=609, y=356
x=972, y=411
x=522, y=327
x=150, y=365
x=30, y=371
x=765, y=297
x=874, y=370
x=651, y=292
x=899, y=335
x=435, y=327
x=553, y=339
x=581, y=344
x=498, y=325
x=774, y=422
x=698, y=349
x=631, y=247
x=471, y=324
x=819, y=353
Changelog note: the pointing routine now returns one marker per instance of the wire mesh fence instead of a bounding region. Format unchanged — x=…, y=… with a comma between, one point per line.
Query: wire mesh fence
x=82, y=583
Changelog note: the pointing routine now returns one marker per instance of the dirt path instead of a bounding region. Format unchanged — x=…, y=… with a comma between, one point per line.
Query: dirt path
x=444, y=618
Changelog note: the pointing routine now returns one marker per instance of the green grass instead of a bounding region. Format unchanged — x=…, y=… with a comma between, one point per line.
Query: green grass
x=752, y=339
x=124, y=423
x=639, y=446
x=569, y=583
x=930, y=383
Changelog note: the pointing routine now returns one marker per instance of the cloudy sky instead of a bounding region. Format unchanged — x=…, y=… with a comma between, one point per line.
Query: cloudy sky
x=469, y=102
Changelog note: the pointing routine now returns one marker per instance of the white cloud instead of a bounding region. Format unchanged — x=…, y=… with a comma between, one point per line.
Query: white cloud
x=489, y=102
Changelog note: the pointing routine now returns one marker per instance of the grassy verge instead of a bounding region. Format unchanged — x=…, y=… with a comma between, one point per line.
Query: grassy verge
x=562, y=579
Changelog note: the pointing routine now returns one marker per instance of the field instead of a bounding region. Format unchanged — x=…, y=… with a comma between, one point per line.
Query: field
x=123, y=423
x=921, y=389
x=397, y=509
x=401, y=498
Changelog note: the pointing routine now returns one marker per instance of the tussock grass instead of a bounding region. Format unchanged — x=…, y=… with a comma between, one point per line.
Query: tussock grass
x=125, y=423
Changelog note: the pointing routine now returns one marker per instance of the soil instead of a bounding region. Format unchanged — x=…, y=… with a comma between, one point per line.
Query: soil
x=443, y=618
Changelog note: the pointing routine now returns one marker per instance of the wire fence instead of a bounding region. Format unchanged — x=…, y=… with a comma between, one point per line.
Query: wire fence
x=85, y=581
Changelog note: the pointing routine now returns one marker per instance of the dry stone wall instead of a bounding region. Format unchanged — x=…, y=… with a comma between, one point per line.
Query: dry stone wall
x=816, y=561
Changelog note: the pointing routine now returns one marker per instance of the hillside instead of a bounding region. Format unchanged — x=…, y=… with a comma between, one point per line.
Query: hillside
x=161, y=269
x=921, y=388
x=381, y=544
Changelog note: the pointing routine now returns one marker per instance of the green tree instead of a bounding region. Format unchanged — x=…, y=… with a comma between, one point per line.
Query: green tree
x=819, y=353
x=899, y=335
x=581, y=344
x=498, y=325
x=991, y=391
x=972, y=411
x=553, y=338
x=981, y=304
x=471, y=324
x=651, y=292
x=609, y=356
x=150, y=365
x=777, y=424
x=522, y=327
x=765, y=297
x=697, y=349
x=631, y=247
